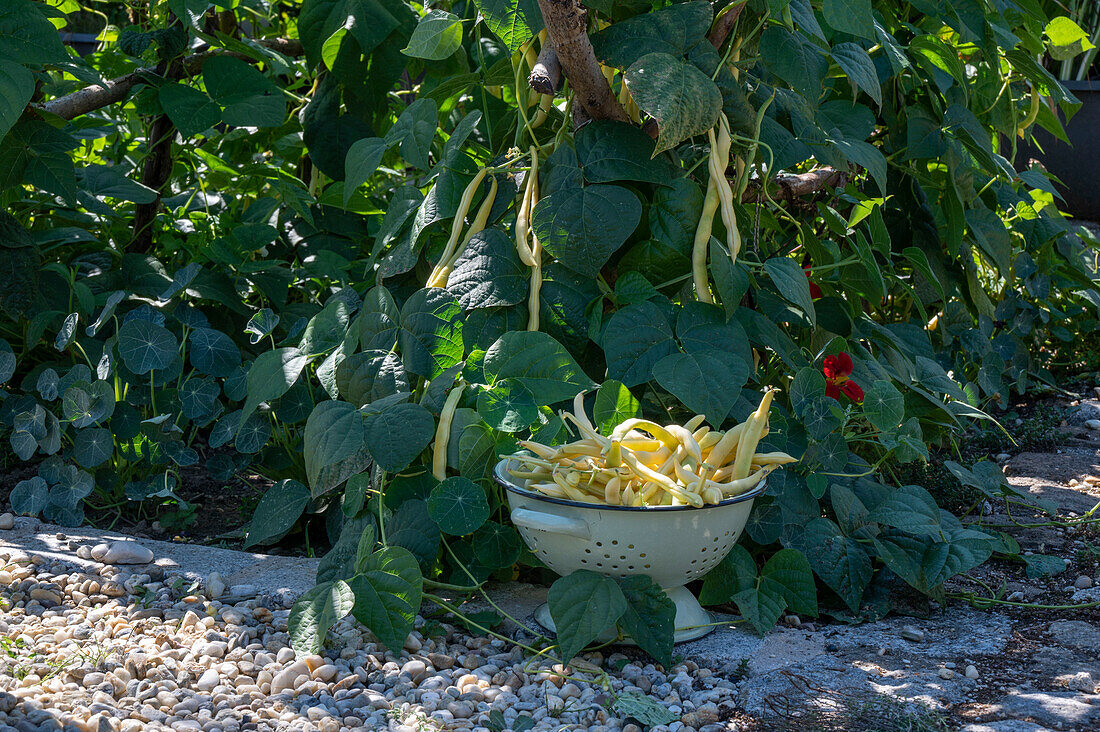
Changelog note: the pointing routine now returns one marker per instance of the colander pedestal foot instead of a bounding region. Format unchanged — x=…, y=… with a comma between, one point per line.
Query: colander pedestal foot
x=692, y=621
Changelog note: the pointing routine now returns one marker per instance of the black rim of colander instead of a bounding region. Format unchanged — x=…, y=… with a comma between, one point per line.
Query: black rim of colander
x=505, y=482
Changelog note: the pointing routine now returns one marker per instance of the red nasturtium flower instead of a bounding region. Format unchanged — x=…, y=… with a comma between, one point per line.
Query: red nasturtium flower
x=838, y=370
x=815, y=291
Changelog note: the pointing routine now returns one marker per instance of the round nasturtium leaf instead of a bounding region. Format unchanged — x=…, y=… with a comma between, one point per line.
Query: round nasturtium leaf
x=458, y=506
x=212, y=352
x=496, y=545
x=30, y=496
x=93, y=446
x=146, y=346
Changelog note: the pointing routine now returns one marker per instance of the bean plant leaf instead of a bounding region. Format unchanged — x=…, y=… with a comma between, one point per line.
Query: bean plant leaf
x=583, y=605
x=850, y=16
x=794, y=59
x=430, y=337
x=367, y=21
x=839, y=560
x=396, y=435
x=271, y=375
x=458, y=506
x=673, y=30
x=27, y=35
x=246, y=96
x=277, y=512
x=371, y=375
x=437, y=36
x=911, y=509
x=537, y=362
x=361, y=163
x=790, y=279
x=191, y=111
x=854, y=61
x=614, y=405
x=412, y=527
x=649, y=618
x=1067, y=39
x=583, y=226
x=644, y=708
x=489, y=272
x=414, y=131
x=315, y=612
x=787, y=573
x=513, y=21
x=17, y=87
x=734, y=574
x=387, y=590
x=334, y=431
x=610, y=151
x=635, y=339
x=1037, y=566
x=683, y=100
x=706, y=381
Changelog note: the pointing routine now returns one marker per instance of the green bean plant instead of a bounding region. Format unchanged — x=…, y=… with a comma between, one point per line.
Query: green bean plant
x=364, y=248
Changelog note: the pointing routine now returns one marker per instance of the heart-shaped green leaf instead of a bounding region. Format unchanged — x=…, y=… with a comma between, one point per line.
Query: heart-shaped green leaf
x=315, y=612
x=683, y=100
x=277, y=512
x=583, y=226
x=583, y=605
x=387, y=591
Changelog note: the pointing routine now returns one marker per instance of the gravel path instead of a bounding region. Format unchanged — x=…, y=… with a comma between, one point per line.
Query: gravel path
x=97, y=638
x=126, y=648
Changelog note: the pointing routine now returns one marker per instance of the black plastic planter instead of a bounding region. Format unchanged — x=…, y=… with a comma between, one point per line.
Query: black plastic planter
x=1076, y=165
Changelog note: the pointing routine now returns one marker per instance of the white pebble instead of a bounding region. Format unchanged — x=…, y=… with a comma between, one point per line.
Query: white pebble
x=971, y=671
x=215, y=586
x=7, y=521
x=126, y=552
x=208, y=680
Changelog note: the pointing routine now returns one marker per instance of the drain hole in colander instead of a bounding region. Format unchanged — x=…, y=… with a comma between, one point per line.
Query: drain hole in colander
x=629, y=546
x=622, y=556
x=642, y=555
x=614, y=566
x=584, y=561
x=645, y=566
x=599, y=543
x=693, y=561
x=631, y=567
x=607, y=556
x=587, y=551
x=614, y=542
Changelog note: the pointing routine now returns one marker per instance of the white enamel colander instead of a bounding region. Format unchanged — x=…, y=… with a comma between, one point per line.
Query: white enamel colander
x=671, y=544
